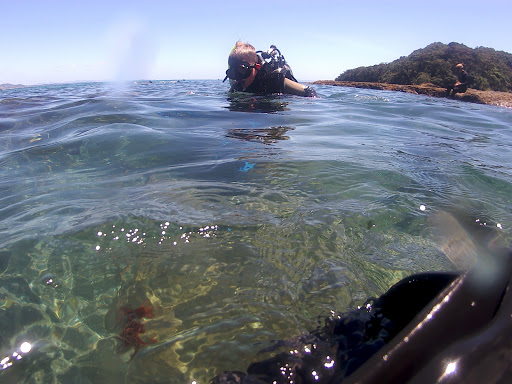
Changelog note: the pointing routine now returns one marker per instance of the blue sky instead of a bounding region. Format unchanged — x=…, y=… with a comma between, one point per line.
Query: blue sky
x=48, y=41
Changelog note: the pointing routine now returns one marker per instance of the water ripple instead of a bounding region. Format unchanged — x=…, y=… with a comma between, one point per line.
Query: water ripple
x=240, y=219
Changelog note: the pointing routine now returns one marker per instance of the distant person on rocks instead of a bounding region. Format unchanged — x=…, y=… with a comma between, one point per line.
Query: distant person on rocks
x=261, y=72
x=461, y=85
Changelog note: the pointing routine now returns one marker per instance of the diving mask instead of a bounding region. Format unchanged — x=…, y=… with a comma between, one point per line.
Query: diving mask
x=241, y=71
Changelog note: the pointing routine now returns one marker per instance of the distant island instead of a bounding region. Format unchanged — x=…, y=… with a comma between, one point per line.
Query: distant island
x=431, y=69
x=488, y=70
x=11, y=86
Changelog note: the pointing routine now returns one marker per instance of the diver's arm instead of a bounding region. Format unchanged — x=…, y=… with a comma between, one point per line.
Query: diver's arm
x=298, y=89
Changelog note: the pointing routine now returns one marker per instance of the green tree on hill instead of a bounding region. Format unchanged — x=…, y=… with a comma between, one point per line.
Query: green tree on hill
x=488, y=69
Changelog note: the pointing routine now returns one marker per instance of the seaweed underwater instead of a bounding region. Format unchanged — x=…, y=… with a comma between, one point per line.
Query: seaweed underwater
x=133, y=326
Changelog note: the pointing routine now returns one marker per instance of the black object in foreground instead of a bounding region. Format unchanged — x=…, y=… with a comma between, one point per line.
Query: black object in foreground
x=432, y=327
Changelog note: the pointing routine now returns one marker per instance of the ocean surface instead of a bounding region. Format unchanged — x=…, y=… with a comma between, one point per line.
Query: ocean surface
x=166, y=231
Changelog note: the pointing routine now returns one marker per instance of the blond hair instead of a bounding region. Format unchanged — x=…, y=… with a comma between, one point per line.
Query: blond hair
x=242, y=52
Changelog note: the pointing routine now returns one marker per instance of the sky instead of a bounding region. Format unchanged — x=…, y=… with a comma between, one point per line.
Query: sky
x=45, y=41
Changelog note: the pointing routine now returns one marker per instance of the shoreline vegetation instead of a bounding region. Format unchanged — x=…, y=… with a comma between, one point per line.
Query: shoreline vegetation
x=496, y=98
x=430, y=70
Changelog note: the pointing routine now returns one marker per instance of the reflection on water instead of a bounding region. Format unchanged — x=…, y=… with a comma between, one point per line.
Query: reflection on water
x=264, y=135
x=155, y=219
x=243, y=102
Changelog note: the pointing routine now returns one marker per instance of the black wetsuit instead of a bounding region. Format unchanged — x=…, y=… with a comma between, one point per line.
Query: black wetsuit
x=267, y=81
x=462, y=78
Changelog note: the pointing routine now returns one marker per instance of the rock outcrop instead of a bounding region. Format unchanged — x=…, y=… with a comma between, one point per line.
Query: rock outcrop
x=500, y=99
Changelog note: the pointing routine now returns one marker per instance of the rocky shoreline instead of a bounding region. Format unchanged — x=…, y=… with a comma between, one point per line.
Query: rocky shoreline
x=500, y=99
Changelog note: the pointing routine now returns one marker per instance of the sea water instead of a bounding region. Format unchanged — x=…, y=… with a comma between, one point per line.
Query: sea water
x=234, y=220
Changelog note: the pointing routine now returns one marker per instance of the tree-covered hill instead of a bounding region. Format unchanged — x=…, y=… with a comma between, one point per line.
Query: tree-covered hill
x=487, y=68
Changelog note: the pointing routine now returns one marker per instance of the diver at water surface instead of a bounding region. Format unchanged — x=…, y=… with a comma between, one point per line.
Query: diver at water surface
x=262, y=72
